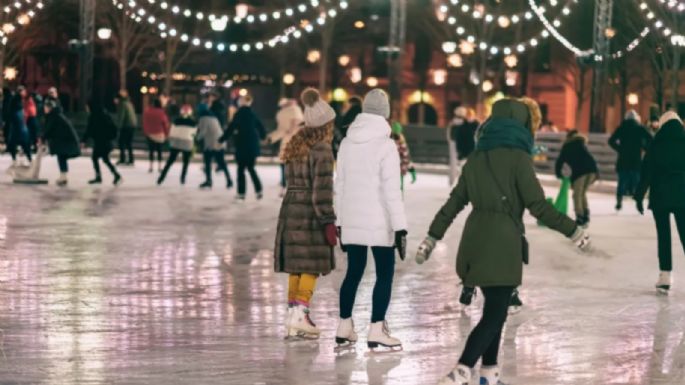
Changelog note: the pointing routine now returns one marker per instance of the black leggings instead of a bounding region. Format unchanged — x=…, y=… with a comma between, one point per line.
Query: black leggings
x=154, y=147
x=126, y=145
x=242, y=182
x=385, y=271
x=12, y=149
x=662, y=218
x=62, y=162
x=105, y=159
x=173, y=154
x=485, y=337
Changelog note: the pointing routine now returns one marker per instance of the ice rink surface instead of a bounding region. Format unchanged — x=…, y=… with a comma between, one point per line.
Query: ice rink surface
x=172, y=285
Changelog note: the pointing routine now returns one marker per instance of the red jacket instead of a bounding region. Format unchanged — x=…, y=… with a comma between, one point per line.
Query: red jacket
x=29, y=108
x=155, y=122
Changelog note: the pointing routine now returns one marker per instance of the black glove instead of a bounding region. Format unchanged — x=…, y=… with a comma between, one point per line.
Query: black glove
x=401, y=243
x=342, y=246
x=640, y=207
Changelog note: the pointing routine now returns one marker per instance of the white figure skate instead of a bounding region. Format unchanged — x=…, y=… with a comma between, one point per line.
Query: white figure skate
x=345, y=336
x=301, y=326
x=380, y=340
x=663, y=284
x=460, y=375
x=489, y=375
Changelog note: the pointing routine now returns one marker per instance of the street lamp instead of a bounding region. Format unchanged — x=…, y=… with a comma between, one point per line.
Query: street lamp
x=372, y=82
x=104, y=33
x=288, y=79
x=344, y=60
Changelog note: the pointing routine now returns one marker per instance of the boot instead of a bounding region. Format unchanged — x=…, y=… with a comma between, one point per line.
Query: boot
x=380, y=339
x=62, y=180
x=206, y=185
x=117, y=180
x=97, y=180
x=301, y=325
x=345, y=335
x=663, y=284
x=460, y=375
x=489, y=375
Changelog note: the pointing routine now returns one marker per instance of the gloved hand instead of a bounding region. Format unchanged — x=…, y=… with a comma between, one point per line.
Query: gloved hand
x=640, y=207
x=342, y=246
x=401, y=243
x=581, y=240
x=425, y=249
x=412, y=171
x=331, y=234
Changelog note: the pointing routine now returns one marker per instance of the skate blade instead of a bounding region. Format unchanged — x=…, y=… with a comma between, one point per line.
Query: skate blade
x=513, y=310
x=382, y=350
x=341, y=350
x=661, y=291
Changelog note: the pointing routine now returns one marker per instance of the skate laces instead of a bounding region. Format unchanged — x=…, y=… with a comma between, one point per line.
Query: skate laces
x=386, y=329
x=307, y=318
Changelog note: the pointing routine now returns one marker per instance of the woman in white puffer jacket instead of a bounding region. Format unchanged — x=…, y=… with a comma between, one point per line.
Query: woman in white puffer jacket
x=370, y=212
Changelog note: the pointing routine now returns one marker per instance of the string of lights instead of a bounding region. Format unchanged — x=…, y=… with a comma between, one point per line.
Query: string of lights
x=140, y=15
x=470, y=42
x=479, y=12
x=658, y=25
x=31, y=7
x=674, y=5
x=220, y=21
x=552, y=29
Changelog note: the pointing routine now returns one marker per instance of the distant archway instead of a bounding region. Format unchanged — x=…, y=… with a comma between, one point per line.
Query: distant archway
x=430, y=115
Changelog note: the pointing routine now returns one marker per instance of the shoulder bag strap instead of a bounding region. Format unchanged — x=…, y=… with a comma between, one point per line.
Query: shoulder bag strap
x=504, y=198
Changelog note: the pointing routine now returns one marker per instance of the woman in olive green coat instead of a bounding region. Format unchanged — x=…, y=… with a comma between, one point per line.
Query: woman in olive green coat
x=500, y=182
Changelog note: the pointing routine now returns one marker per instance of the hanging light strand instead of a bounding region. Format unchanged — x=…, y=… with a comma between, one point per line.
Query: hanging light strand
x=673, y=5
x=261, y=17
x=494, y=49
x=294, y=32
x=479, y=12
x=675, y=38
x=27, y=11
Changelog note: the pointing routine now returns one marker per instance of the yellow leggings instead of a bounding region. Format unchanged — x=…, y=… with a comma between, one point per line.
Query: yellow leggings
x=301, y=288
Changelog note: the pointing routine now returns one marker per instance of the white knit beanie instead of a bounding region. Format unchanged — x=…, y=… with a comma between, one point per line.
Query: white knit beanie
x=461, y=112
x=667, y=116
x=632, y=114
x=317, y=113
x=376, y=102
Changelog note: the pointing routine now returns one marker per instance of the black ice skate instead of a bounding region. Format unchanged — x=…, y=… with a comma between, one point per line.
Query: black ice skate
x=380, y=340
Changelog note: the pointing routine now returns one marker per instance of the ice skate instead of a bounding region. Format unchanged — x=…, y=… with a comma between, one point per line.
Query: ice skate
x=240, y=198
x=515, y=302
x=117, y=180
x=260, y=195
x=663, y=284
x=301, y=326
x=97, y=180
x=288, y=321
x=62, y=180
x=380, y=340
x=206, y=186
x=489, y=375
x=345, y=336
x=460, y=375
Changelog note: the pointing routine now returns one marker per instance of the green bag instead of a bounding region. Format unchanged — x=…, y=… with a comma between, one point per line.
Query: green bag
x=561, y=203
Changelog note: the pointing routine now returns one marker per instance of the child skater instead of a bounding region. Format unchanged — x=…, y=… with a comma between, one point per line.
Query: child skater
x=306, y=232
x=584, y=172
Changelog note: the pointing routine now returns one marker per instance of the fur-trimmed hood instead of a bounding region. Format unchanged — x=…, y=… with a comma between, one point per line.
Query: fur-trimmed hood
x=300, y=145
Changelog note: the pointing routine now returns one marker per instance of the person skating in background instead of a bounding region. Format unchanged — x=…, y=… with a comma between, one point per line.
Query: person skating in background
x=126, y=121
x=61, y=138
x=306, y=232
x=463, y=132
x=181, y=139
x=289, y=121
x=209, y=133
x=53, y=95
x=218, y=108
x=18, y=135
x=406, y=165
x=653, y=119
x=353, y=108
x=102, y=130
x=4, y=123
x=629, y=140
x=247, y=132
x=663, y=175
x=371, y=214
x=499, y=181
x=30, y=116
x=156, y=129
x=584, y=172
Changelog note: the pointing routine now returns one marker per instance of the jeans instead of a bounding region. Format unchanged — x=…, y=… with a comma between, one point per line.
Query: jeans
x=242, y=182
x=126, y=145
x=384, y=258
x=662, y=218
x=218, y=156
x=105, y=159
x=62, y=163
x=484, y=339
x=173, y=154
x=627, y=183
x=580, y=187
x=25, y=147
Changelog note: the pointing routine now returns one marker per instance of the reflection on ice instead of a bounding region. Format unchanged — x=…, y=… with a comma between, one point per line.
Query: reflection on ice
x=172, y=285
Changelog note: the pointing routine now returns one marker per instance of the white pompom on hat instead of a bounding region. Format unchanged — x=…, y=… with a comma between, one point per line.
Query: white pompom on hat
x=317, y=113
x=376, y=102
x=667, y=116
